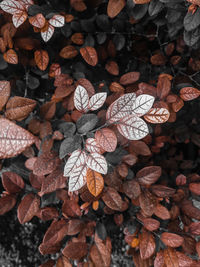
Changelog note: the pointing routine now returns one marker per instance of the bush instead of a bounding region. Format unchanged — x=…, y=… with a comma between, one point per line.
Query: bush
x=98, y=133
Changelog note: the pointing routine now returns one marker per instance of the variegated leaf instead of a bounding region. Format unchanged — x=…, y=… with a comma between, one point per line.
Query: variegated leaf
x=47, y=33
x=132, y=127
x=19, y=18
x=57, y=21
x=27, y=3
x=92, y=146
x=81, y=98
x=157, y=115
x=121, y=107
x=77, y=178
x=142, y=104
x=107, y=139
x=11, y=6
x=37, y=20
x=97, y=163
x=77, y=158
x=97, y=101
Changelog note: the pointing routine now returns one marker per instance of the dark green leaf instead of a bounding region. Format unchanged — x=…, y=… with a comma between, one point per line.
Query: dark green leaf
x=155, y=7
x=86, y=123
x=69, y=145
x=192, y=21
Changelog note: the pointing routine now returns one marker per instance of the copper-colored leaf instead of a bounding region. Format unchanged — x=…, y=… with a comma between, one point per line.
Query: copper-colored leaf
x=77, y=38
x=11, y=57
x=112, y=199
x=189, y=93
x=4, y=93
x=41, y=59
x=157, y=115
x=162, y=190
x=63, y=262
x=132, y=189
x=90, y=55
x=147, y=245
x=129, y=78
x=75, y=250
x=142, y=1
x=116, y=87
x=18, y=108
x=158, y=59
x=170, y=257
x=151, y=224
x=13, y=139
x=28, y=208
x=189, y=209
x=185, y=261
x=159, y=259
x=95, y=182
x=195, y=188
x=139, y=148
x=112, y=67
x=114, y=7
x=68, y=51
x=74, y=226
x=7, y=202
x=107, y=139
x=47, y=110
x=38, y=20
x=176, y=106
x=12, y=182
x=161, y=212
x=172, y=240
x=147, y=203
x=149, y=175
x=71, y=208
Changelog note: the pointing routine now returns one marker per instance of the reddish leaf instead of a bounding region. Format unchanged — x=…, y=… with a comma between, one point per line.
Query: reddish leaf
x=48, y=213
x=12, y=182
x=149, y=175
x=151, y=224
x=139, y=148
x=147, y=245
x=92, y=146
x=68, y=51
x=95, y=182
x=71, y=208
x=54, y=70
x=130, y=77
x=112, y=199
x=57, y=21
x=28, y=208
x=198, y=248
x=74, y=226
x=112, y=67
x=115, y=7
x=90, y=55
x=4, y=93
x=41, y=59
x=77, y=38
x=116, y=87
x=47, y=110
x=132, y=189
x=162, y=190
x=170, y=257
x=194, y=228
x=11, y=57
x=49, y=263
x=63, y=262
x=147, y=203
x=185, y=261
x=141, y=1
x=107, y=139
x=159, y=259
x=18, y=108
x=97, y=163
x=190, y=210
x=172, y=240
x=189, y=93
x=195, y=188
x=37, y=21
x=75, y=251
x=158, y=59
x=81, y=99
x=7, y=202
x=162, y=212
x=157, y=115
x=13, y=139
x=97, y=101
x=176, y=106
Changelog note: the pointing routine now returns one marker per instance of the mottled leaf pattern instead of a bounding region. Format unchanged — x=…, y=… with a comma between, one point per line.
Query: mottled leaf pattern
x=95, y=182
x=97, y=163
x=81, y=98
x=142, y=104
x=57, y=21
x=107, y=139
x=96, y=101
x=132, y=127
x=92, y=146
x=157, y=115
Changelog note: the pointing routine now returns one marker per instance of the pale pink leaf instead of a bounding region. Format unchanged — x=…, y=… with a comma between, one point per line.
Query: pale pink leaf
x=97, y=163
x=77, y=178
x=157, y=115
x=92, y=146
x=12, y=6
x=46, y=35
x=57, y=21
x=142, y=104
x=81, y=98
x=121, y=107
x=26, y=3
x=77, y=158
x=106, y=139
x=19, y=18
x=97, y=101
x=132, y=127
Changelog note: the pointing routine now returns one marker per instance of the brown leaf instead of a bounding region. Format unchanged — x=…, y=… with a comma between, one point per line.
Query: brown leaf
x=28, y=208
x=18, y=108
x=78, y=5
x=162, y=212
x=95, y=182
x=11, y=57
x=194, y=228
x=75, y=250
x=70, y=208
x=47, y=110
x=130, y=77
x=112, y=67
x=115, y=7
x=49, y=248
x=41, y=59
x=176, y=106
x=63, y=262
x=90, y=55
x=172, y=240
x=116, y=87
x=159, y=259
x=77, y=38
x=7, y=202
x=190, y=210
x=48, y=213
x=170, y=257
x=195, y=188
x=132, y=189
x=149, y=175
x=12, y=182
x=185, y=261
x=151, y=224
x=147, y=203
x=13, y=139
x=158, y=59
x=68, y=51
x=142, y=1
x=189, y=93
x=49, y=263
x=162, y=190
x=107, y=139
x=147, y=245
x=140, y=148
x=4, y=93
x=37, y=21
x=112, y=199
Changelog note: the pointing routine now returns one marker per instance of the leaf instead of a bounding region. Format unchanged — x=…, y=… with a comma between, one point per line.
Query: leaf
x=172, y=240
x=159, y=259
x=19, y=18
x=92, y=146
x=37, y=21
x=157, y=115
x=68, y=51
x=77, y=158
x=147, y=203
x=41, y=59
x=12, y=182
x=81, y=99
x=162, y=190
x=69, y=144
x=87, y=85
x=97, y=101
x=86, y=123
x=71, y=208
x=114, y=7
x=130, y=77
x=189, y=209
x=149, y=175
x=57, y=21
x=4, y=93
x=75, y=250
x=170, y=257
x=151, y=224
x=147, y=245
x=107, y=139
x=11, y=6
x=132, y=189
x=95, y=182
x=195, y=188
x=90, y=55
x=120, y=107
x=189, y=93
x=18, y=108
x=141, y=1
x=97, y=163
x=47, y=32
x=191, y=21
x=7, y=202
x=112, y=199
x=142, y=104
x=132, y=127
x=28, y=208
x=185, y=261
x=162, y=212
x=77, y=178
x=13, y=139
x=47, y=110
x=11, y=57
